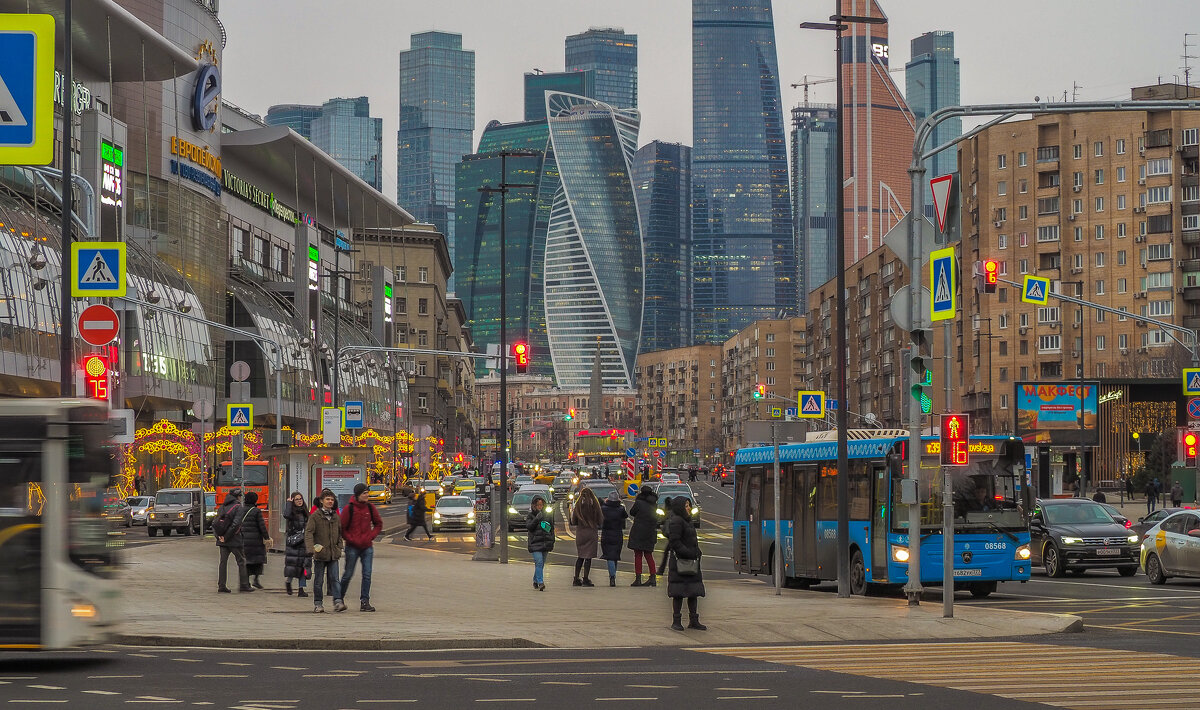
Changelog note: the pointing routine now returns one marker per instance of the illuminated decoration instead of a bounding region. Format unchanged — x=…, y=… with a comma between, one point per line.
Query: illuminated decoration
x=991, y=275
x=314, y=268
x=387, y=302
x=95, y=377
x=112, y=179
x=954, y=436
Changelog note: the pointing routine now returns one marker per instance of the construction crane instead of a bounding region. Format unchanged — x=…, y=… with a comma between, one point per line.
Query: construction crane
x=826, y=80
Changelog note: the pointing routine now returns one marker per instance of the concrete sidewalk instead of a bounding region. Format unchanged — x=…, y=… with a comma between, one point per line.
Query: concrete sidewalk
x=430, y=599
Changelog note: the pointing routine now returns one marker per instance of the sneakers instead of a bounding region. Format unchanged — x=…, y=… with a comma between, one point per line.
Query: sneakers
x=318, y=609
x=541, y=587
x=365, y=606
x=224, y=590
x=339, y=605
x=588, y=583
x=302, y=593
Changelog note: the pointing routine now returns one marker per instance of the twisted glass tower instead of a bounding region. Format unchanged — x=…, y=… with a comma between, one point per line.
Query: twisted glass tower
x=744, y=255
x=593, y=263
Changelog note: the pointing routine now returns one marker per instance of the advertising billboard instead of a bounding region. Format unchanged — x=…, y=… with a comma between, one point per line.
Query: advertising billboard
x=1058, y=413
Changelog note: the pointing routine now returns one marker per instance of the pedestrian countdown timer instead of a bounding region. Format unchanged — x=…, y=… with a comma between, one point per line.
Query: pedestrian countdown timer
x=955, y=439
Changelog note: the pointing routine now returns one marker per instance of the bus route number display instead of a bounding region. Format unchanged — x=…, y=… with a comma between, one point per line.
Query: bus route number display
x=954, y=439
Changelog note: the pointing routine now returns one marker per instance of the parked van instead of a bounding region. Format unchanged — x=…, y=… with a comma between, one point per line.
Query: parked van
x=179, y=509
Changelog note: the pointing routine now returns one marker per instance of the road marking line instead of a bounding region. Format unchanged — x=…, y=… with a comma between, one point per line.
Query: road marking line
x=289, y=668
x=749, y=690
x=46, y=687
x=143, y=655
x=490, y=680
x=187, y=660
x=873, y=696
x=832, y=692
x=656, y=687
x=385, y=701
x=220, y=675
x=101, y=692
x=1145, y=631
x=621, y=699
x=233, y=663
x=100, y=677
x=505, y=700
x=773, y=697
x=37, y=701
x=561, y=682
x=589, y=673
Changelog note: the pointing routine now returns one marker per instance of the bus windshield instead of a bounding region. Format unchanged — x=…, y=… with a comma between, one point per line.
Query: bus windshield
x=253, y=474
x=984, y=493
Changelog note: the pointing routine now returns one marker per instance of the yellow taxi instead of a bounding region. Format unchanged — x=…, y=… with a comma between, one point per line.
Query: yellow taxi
x=379, y=493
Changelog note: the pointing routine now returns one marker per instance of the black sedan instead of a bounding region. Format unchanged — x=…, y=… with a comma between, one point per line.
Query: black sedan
x=1074, y=534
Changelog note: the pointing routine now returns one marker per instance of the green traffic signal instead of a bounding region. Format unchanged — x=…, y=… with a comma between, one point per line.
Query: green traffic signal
x=918, y=393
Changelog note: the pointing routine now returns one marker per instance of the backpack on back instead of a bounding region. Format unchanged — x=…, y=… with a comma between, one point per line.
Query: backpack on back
x=222, y=524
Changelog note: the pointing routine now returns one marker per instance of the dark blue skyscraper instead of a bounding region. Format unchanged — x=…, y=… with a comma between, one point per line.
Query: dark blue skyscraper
x=346, y=131
x=744, y=260
x=662, y=183
x=931, y=82
x=298, y=117
x=814, y=191
x=612, y=55
x=437, y=116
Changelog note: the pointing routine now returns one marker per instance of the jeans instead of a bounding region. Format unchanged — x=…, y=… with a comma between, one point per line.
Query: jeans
x=1151, y=503
x=353, y=555
x=539, y=562
x=239, y=557
x=325, y=572
x=612, y=568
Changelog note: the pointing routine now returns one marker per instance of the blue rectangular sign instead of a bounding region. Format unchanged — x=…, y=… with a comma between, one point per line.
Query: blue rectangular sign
x=942, y=286
x=354, y=415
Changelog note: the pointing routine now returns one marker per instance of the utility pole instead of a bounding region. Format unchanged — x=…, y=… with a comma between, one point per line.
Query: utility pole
x=66, y=329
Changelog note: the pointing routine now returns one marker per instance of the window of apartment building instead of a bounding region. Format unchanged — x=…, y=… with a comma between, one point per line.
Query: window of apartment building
x=1004, y=374
x=1099, y=289
x=1122, y=230
x=1078, y=261
x=1002, y=188
x=1142, y=227
x=1120, y=202
x=1024, y=320
x=770, y=352
x=1049, y=343
x=1051, y=369
x=770, y=337
x=1024, y=265
x=1047, y=154
x=1158, y=166
x=1023, y=349
x=1190, y=136
x=1004, y=401
x=1049, y=314
x=770, y=366
x=1049, y=179
x=1122, y=309
x=1158, y=195
x=422, y=368
x=1120, y=146
x=423, y=402
x=402, y=306
x=1076, y=206
x=1047, y=205
x=1047, y=233
x=258, y=250
x=1078, y=150
x=1002, y=241
x=1123, y=341
x=1079, y=234
x=1099, y=204
x=1158, y=252
x=1077, y=178
x=1023, y=212
x=401, y=273
x=1121, y=257
x=1100, y=177
x=422, y=306
x=1191, y=193
x=1155, y=281
x=770, y=381
x=1003, y=320
x=1003, y=293
x=1024, y=373
x=1191, y=221
x=423, y=274
x=1121, y=174
x=1003, y=347
x=423, y=338
x=1099, y=258
x=1121, y=285
x=1001, y=214
x=1022, y=159
x=1098, y=148
x=1160, y=308
x=1024, y=239
x=1049, y=261
x=1099, y=316
x=1022, y=186
x=1001, y=162
x=1142, y=171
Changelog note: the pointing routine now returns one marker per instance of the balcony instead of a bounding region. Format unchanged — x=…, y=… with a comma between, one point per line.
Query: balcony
x=1189, y=264
x=1191, y=322
x=444, y=385
x=1191, y=293
x=1189, y=152
x=1191, y=236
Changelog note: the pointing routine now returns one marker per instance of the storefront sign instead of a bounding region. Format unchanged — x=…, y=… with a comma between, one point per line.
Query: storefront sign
x=196, y=154
x=83, y=95
x=259, y=198
x=187, y=172
x=112, y=179
x=206, y=98
x=1067, y=410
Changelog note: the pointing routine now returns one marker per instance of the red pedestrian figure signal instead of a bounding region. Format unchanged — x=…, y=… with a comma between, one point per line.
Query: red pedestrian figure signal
x=521, y=355
x=991, y=275
x=955, y=439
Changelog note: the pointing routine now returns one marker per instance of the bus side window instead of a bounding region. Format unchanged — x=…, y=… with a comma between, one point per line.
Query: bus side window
x=741, y=493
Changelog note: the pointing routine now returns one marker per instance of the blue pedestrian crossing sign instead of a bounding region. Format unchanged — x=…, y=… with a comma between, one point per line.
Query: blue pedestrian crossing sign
x=97, y=269
x=240, y=416
x=26, y=89
x=776, y=412
x=1035, y=289
x=943, y=287
x=812, y=405
x=1191, y=380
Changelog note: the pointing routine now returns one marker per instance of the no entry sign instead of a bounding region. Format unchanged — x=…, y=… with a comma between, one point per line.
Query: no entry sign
x=98, y=325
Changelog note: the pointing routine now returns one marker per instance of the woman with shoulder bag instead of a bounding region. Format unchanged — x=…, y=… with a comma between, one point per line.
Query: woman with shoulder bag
x=255, y=539
x=684, y=578
x=297, y=563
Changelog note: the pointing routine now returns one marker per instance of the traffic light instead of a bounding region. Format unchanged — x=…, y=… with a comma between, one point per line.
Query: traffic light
x=760, y=391
x=1191, y=442
x=570, y=415
x=95, y=376
x=923, y=379
x=521, y=355
x=991, y=275
x=954, y=439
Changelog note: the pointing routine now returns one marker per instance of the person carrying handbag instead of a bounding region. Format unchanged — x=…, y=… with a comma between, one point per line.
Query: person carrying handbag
x=684, y=577
x=297, y=562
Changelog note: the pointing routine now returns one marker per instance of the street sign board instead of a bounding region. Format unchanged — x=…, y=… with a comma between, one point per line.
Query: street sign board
x=630, y=452
x=900, y=308
x=1191, y=380
x=940, y=187
x=1193, y=425
x=332, y=422
x=97, y=269
x=776, y=412
x=656, y=443
x=202, y=408
x=239, y=371
x=1193, y=408
x=943, y=285
x=1035, y=289
x=897, y=238
x=811, y=405
x=26, y=89
x=240, y=416
x=831, y=404
x=790, y=411
x=123, y=429
x=98, y=325
x=354, y=415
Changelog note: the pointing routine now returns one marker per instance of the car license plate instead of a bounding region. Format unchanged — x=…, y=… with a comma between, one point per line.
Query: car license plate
x=968, y=573
x=1108, y=551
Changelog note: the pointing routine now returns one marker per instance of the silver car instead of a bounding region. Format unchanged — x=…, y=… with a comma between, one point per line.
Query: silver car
x=1172, y=547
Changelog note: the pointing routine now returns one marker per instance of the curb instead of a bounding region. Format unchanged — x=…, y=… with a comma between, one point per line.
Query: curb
x=323, y=644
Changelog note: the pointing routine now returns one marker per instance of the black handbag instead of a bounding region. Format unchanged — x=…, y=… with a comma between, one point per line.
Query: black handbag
x=687, y=568
x=295, y=539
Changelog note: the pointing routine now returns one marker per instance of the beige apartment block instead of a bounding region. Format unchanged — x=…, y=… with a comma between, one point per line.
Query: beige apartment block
x=679, y=398
x=771, y=352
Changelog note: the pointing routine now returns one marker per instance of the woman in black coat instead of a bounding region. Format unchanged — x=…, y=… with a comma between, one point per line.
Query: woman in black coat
x=254, y=539
x=683, y=545
x=540, y=527
x=643, y=534
x=297, y=563
x=612, y=529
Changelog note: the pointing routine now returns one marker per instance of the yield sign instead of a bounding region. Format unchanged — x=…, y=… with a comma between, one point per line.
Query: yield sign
x=98, y=325
x=940, y=186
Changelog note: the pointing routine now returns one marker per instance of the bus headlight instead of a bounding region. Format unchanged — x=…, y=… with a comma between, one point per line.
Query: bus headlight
x=1071, y=540
x=899, y=553
x=83, y=611
x=1021, y=553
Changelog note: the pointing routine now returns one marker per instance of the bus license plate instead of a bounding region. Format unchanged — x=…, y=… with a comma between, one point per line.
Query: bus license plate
x=1108, y=551
x=968, y=573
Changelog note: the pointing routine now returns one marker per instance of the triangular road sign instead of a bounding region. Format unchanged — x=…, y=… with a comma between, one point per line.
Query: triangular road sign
x=940, y=187
x=1194, y=382
x=98, y=272
x=240, y=418
x=1035, y=291
x=10, y=112
x=811, y=405
x=942, y=287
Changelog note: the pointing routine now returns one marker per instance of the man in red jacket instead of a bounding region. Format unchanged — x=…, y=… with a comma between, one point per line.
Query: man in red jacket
x=361, y=524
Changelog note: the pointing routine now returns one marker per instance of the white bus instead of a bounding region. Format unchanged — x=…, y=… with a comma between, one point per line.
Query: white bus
x=57, y=578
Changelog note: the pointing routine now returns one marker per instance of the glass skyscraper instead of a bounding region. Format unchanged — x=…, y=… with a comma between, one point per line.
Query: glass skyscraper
x=580, y=83
x=931, y=83
x=298, y=117
x=594, y=263
x=744, y=259
x=814, y=191
x=612, y=55
x=437, y=117
x=346, y=131
x=662, y=183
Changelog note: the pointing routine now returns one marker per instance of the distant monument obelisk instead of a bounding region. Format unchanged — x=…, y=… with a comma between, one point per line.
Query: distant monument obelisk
x=596, y=396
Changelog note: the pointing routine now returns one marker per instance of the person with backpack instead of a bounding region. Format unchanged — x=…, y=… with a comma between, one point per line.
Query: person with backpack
x=643, y=535
x=541, y=540
x=1176, y=495
x=416, y=515
x=323, y=540
x=297, y=563
x=361, y=524
x=227, y=529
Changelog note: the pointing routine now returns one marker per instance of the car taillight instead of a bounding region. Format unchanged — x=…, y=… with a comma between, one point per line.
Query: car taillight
x=1128, y=524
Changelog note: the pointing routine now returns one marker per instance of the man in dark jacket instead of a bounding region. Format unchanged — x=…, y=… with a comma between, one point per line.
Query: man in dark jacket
x=361, y=524
x=643, y=535
x=229, y=541
x=1176, y=495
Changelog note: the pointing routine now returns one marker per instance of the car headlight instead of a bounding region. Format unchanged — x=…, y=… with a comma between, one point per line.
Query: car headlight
x=899, y=553
x=471, y=515
x=1021, y=553
x=437, y=516
x=181, y=515
x=1071, y=540
x=154, y=516
x=1132, y=539
x=549, y=509
x=551, y=489
x=695, y=510
x=512, y=510
x=660, y=511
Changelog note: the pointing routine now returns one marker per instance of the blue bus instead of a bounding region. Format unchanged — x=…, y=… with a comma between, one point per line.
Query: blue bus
x=991, y=510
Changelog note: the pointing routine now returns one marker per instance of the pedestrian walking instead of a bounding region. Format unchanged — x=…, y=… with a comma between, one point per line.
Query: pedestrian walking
x=643, y=535
x=416, y=515
x=227, y=529
x=254, y=540
x=541, y=540
x=662, y=527
x=1099, y=497
x=1129, y=487
x=684, y=580
x=1151, y=495
x=323, y=540
x=361, y=524
x=612, y=533
x=297, y=562
x=1176, y=495
x=586, y=517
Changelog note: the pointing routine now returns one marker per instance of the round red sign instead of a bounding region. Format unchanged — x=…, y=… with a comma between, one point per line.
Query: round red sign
x=99, y=325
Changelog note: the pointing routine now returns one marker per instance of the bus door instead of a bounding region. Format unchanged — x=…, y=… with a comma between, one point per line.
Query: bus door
x=747, y=524
x=881, y=497
x=21, y=543
x=754, y=496
x=804, y=531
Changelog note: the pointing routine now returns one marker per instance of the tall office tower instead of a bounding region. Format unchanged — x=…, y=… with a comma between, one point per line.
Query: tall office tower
x=814, y=191
x=580, y=83
x=298, y=117
x=931, y=82
x=878, y=133
x=477, y=233
x=743, y=254
x=612, y=55
x=594, y=279
x=662, y=182
x=346, y=131
x=437, y=116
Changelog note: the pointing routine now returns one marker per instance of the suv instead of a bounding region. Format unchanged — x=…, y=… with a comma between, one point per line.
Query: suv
x=176, y=509
x=1074, y=534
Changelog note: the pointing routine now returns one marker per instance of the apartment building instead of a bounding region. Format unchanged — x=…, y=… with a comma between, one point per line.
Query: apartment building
x=679, y=398
x=770, y=352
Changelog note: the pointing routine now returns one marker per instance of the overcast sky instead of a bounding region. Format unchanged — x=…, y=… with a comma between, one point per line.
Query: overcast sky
x=307, y=51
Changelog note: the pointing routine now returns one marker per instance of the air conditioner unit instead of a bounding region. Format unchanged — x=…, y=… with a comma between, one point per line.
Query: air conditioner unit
x=1075, y=353
x=1075, y=325
x=1141, y=181
x=1179, y=290
x=1124, y=351
x=1139, y=239
x=1024, y=331
x=1139, y=210
x=1143, y=350
x=1077, y=188
x=998, y=223
x=1142, y=150
x=412, y=331
x=1071, y=218
x=1076, y=270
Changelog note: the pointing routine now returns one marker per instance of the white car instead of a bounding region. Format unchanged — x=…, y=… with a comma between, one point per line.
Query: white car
x=671, y=478
x=1172, y=547
x=454, y=512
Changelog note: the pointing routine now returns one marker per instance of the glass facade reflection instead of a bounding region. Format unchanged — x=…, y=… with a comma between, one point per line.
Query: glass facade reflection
x=582, y=83
x=346, y=131
x=744, y=260
x=437, y=116
x=298, y=117
x=594, y=262
x=814, y=191
x=931, y=83
x=612, y=55
x=663, y=186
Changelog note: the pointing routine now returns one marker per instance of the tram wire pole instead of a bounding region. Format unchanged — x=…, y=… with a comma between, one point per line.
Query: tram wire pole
x=66, y=328
x=777, y=562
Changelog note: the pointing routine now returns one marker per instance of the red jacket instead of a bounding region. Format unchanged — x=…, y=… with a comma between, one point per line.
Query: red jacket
x=361, y=524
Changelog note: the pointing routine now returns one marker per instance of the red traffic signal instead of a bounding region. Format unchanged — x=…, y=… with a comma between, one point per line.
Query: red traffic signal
x=1190, y=445
x=760, y=391
x=95, y=376
x=521, y=355
x=991, y=275
x=954, y=439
